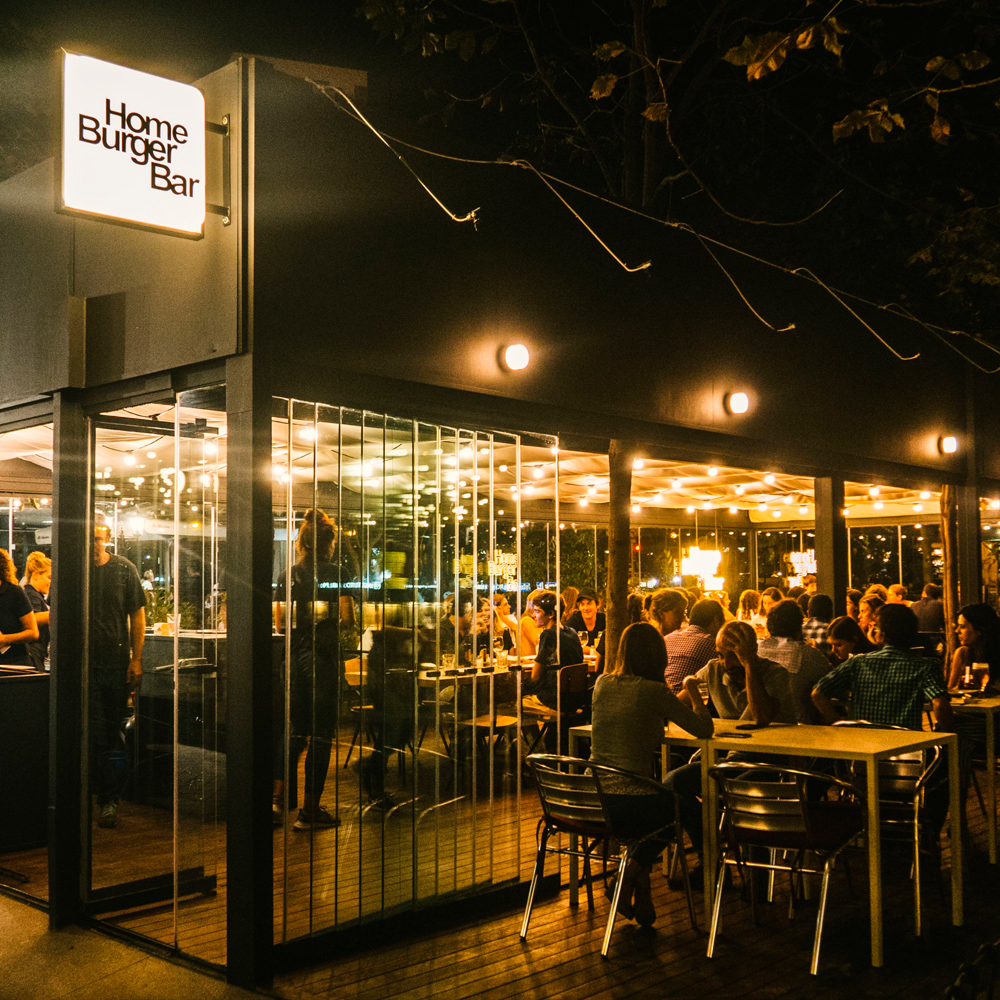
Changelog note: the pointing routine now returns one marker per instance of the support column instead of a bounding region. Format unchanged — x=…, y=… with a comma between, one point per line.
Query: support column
x=831, y=542
x=969, y=545
x=249, y=722
x=68, y=630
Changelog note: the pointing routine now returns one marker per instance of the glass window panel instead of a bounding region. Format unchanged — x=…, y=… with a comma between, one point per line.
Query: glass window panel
x=923, y=561
x=874, y=556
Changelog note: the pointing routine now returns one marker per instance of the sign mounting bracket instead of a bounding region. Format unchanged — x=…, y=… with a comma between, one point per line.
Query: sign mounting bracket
x=224, y=210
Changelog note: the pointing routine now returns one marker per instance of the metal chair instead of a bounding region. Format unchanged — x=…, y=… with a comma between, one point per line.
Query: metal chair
x=901, y=784
x=572, y=794
x=767, y=807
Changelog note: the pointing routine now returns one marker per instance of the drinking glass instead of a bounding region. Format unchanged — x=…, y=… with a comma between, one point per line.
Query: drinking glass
x=584, y=637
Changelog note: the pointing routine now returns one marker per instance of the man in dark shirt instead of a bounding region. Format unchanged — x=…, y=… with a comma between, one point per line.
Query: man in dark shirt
x=929, y=609
x=586, y=617
x=117, y=633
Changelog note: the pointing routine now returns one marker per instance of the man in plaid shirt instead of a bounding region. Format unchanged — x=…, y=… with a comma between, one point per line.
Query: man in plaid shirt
x=888, y=687
x=815, y=627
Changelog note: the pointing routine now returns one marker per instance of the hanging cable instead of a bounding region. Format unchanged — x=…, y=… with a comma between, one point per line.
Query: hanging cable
x=550, y=180
x=812, y=277
x=530, y=166
x=323, y=89
x=732, y=281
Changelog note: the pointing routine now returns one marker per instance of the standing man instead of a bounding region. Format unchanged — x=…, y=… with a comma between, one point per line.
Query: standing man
x=117, y=633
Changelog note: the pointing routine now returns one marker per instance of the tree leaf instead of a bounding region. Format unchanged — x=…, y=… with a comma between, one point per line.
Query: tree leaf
x=876, y=118
x=946, y=67
x=761, y=54
x=603, y=86
x=609, y=50
x=974, y=60
x=656, y=112
x=806, y=38
x=940, y=130
x=932, y=100
x=830, y=31
x=431, y=43
x=488, y=43
x=467, y=48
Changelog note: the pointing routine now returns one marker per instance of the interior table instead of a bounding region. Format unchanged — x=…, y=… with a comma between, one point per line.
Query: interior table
x=988, y=709
x=867, y=745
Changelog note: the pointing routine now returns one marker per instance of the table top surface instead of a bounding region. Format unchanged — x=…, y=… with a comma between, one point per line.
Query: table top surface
x=991, y=704
x=843, y=742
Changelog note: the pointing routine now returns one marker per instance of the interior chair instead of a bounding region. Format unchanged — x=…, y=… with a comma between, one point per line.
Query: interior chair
x=901, y=785
x=767, y=808
x=572, y=794
x=572, y=695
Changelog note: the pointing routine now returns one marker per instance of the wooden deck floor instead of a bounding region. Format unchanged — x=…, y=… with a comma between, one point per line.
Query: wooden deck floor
x=561, y=958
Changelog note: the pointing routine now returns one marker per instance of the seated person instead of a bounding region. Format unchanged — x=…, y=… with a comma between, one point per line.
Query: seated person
x=769, y=599
x=529, y=632
x=741, y=685
x=867, y=614
x=586, y=617
x=847, y=639
x=929, y=609
x=853, y=603
x=805, y=664
x=979, y=635
x=897, y=594
x=689, y=649
x=819, y=614
x=553, y=652
x=888, y=687
x=631, y=706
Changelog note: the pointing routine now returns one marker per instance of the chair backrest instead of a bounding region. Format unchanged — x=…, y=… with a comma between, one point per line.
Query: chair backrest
x=573, y=678
x=569, y=797
x=900, y=777
x=763, y=804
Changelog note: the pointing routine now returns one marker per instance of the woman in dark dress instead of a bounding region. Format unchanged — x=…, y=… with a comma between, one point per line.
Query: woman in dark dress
x=17, y=620
x=314, y=670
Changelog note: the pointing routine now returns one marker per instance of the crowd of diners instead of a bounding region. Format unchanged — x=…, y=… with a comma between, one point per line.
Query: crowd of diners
x=779, y=657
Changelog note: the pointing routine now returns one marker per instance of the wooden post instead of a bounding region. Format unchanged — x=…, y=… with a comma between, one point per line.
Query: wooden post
x=620, y=456
x=949, y=579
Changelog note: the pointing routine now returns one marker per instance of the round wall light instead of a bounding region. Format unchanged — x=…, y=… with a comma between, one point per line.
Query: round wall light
x=948, y=444
x=737, y=402
x=515, y=357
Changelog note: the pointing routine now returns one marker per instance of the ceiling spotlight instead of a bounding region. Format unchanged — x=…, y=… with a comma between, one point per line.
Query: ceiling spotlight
x=528, y=490
x=499, y=513
x=537, y=473
x=308, y=434
x=878, y=505
x=737, y=402
x=948, y=444
x=786, y=500
x=635, y=508
x=874, y=491
x=846, y=511
x=676, y=483
x=925, y=494
x=706, y=505
x=734, y=510
x=591, y=491
x=769, y=479
x=515, y=357
x=637, y=463
x=129, y=459
x=762, y=506
x=712, y=470
x=995, y=504
x=150, y=454
x=502, y=468
x=775, y=513
x=690, y=510
x=803, y=509
x=583, y=501
x=918, y=507
x=740, y=490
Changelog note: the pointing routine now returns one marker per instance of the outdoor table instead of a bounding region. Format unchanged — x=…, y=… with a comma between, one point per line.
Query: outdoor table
x=988, y=709
x=867, y=745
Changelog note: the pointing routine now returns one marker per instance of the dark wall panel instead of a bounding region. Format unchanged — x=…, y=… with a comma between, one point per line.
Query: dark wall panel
x=358, y=270
x=35, y=251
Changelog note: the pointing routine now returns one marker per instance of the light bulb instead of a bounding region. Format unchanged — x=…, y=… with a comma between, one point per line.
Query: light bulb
x=737, y=402
x=712, y=470
x=515, y=357
x=769, y=479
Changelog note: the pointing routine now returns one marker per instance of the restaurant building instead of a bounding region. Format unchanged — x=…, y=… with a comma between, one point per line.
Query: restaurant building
x=335, y=341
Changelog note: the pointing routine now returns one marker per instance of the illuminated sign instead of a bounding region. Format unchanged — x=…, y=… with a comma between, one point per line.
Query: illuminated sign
x=133, y=147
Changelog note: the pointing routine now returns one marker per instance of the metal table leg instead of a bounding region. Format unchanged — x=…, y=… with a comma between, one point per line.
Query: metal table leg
x=991, y=784
x=875, y=861
x=955, y=831
x=709, y=824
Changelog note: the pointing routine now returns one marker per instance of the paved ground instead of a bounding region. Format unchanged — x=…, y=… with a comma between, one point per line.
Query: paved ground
x=36, y=964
